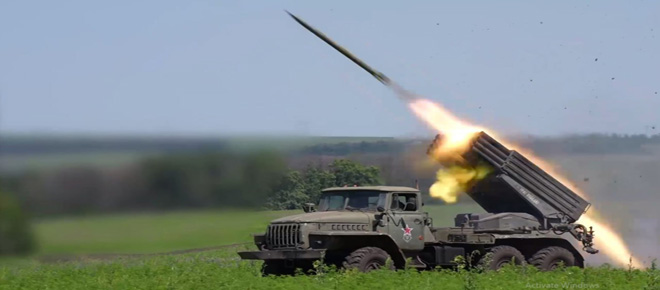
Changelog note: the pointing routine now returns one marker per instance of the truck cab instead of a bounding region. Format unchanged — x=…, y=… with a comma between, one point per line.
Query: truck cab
x=386, y=219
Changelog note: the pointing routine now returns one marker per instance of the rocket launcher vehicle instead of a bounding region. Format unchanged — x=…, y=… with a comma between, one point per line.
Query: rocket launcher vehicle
x=516, y=185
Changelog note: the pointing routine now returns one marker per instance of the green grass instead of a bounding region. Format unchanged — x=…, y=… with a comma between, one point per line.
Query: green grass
x=162, y=232
x=221, y=270
x=150, y=232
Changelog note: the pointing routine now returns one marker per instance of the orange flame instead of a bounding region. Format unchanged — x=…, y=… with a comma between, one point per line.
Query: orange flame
x=457, y=133
x=456, y=138
x=451, y=182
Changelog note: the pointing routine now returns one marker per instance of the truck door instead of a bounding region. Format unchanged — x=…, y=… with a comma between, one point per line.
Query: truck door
x=406, y=225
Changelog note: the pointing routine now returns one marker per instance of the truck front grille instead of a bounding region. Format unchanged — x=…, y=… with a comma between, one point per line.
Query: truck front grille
x=283, y=236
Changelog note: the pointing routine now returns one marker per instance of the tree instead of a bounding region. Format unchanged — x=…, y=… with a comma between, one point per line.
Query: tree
x=290, y=193
x=351, y=173
x=315, y=180
x=306, y=185
x=15, y=232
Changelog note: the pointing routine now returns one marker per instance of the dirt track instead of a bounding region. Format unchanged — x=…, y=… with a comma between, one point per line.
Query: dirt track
x=110, y=256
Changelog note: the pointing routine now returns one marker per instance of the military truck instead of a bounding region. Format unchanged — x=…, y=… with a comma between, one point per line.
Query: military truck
x=530, y=219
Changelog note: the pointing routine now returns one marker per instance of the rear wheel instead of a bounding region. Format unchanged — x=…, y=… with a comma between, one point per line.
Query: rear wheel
x=499, y=256
x=550, y=258
x=366, y=259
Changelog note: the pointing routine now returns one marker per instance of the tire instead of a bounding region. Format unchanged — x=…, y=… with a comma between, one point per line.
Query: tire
x=366, y=259
x=550, y=258
x=499, y=256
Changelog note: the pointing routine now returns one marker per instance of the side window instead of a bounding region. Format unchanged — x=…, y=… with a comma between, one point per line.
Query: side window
x=411, y=202
x=396, y=202
x=404, y=202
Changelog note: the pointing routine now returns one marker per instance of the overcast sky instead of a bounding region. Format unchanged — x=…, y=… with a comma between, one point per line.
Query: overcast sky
x=223, y=67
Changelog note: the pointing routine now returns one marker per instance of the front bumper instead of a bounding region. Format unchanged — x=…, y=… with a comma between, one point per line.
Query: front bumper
x=282, y=255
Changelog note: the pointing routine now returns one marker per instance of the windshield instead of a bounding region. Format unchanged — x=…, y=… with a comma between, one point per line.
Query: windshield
x=364, y=200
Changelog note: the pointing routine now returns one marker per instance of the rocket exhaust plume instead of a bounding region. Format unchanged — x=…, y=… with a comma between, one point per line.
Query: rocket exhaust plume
x=457, y=134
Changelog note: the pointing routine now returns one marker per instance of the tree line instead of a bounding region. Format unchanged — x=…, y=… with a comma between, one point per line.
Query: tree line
x=254, y=179
x=174, y=181
x=224, y=178
x=16, y=237
x=587, y=143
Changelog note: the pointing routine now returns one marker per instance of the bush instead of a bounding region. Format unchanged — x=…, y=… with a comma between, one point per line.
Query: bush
x=298, y=187
x=15, y=232
x=349, y=173
x=291, y=193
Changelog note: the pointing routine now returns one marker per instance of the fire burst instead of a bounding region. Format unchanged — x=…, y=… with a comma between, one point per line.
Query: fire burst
x=454, y=180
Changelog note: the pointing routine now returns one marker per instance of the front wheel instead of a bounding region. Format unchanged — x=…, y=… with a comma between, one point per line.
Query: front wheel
x=366, y=259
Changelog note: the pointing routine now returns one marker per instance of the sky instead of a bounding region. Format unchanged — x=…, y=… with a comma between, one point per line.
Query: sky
x=245, y=67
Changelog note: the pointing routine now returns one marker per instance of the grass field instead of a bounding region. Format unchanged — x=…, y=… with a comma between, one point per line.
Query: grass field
x=150, y=232
x=221, y=268
x=162, y=232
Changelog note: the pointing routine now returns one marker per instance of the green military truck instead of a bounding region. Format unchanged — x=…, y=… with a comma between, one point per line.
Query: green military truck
x=531, y=217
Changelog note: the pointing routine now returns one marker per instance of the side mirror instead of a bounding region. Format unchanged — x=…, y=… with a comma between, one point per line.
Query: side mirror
x=309, y=207
x=380, y=209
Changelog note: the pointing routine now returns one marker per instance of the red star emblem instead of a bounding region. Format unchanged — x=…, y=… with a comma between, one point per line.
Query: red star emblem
x=407, y=230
